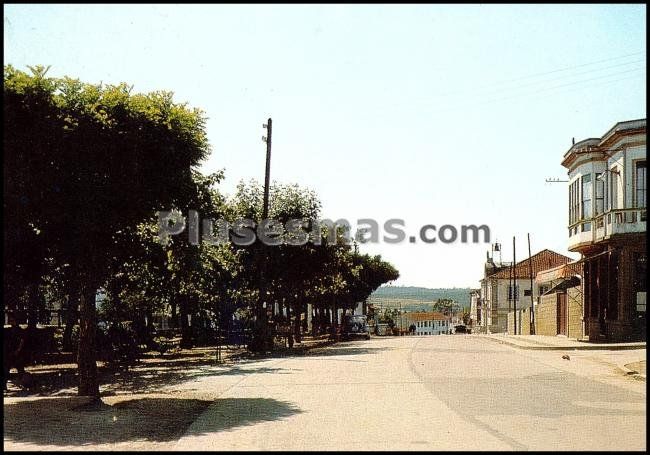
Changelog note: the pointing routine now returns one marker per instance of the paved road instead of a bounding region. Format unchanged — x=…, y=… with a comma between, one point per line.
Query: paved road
x=423, y=393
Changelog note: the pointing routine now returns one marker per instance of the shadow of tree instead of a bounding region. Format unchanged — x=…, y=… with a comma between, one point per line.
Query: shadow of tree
x=60, y=422
x=340, y=349
x=153, y=374
x=146, y=377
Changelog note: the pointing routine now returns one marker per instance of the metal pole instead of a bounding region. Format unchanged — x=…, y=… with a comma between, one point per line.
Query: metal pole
x=261, y=311
x=514, y=278
x=267, y=175
x=532, y=299
x=511, y=293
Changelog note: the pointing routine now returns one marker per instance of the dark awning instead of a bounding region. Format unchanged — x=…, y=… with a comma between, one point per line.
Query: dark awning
x=564, y=285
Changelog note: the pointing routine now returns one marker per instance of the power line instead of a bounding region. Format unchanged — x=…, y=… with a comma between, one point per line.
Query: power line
x=471, y=104
x=571, y=67
x=529, y=84
x=477, y=90
x=576, y=82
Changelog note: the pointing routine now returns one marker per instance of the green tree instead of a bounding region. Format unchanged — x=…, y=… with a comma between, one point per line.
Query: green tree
x=89, y=161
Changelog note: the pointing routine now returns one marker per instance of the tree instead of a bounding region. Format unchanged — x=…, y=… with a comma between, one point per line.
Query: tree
x=88, y=162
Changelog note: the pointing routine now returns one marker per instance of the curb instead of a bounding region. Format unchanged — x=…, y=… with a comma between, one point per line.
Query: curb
x=612, y=347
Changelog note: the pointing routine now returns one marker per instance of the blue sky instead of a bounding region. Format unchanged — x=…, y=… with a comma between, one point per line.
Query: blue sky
x=435, y=114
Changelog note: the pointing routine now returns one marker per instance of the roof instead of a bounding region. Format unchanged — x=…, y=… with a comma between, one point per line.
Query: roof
x=425, y=316
x=628, y=125
x=561, y=271
x=543, y=260
x=600, y=144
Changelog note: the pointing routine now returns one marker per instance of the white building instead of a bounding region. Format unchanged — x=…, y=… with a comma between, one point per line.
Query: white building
x=505, y=287
x=429, y=323
x=607, y=226
x=475, y=309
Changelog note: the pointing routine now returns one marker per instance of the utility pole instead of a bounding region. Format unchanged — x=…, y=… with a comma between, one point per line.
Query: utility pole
x=262, y=334
x=511, y=292
x=514, y=278
x=267, y=175
x=532, y=299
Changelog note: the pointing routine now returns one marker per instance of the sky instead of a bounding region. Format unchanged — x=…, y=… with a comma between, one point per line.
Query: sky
x=434, y=114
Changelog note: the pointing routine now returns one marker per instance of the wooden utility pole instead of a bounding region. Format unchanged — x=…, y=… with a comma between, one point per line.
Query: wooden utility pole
x=262, y=336
x=514, y=279
x=511, y=292
x=267, y=175
x=532, y=299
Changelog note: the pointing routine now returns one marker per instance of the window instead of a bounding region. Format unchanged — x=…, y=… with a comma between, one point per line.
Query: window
x=640, y=184
x=526, y=292
x=574, y=201
x=614, y=189
x=600, y=194
x=543, y=289
x=516, y=292
x=586, y=197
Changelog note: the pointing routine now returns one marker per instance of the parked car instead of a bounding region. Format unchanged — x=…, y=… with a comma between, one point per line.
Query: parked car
x=461, y=329
x=355, y=326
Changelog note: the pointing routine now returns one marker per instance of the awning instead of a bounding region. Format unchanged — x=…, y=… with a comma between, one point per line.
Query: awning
x=564, y=285
x=559, y=272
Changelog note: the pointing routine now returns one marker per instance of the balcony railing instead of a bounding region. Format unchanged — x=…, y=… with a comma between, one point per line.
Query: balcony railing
x=603, y=226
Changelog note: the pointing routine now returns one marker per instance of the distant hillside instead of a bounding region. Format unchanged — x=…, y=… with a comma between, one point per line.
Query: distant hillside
x=414, y=298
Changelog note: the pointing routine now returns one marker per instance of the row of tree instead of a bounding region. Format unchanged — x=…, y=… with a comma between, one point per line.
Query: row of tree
x=87, y=167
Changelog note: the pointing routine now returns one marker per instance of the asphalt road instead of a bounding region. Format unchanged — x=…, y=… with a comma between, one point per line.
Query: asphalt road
x=456, y=392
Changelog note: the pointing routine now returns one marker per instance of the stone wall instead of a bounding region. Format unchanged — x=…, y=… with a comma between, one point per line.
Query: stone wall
x=575, y=309
x=546, y=315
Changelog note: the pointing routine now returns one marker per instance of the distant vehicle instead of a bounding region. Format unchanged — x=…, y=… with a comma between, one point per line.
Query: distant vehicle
x=461, y=329
x=355, y=326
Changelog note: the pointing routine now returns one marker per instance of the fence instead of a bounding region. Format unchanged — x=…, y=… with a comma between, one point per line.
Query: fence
x=547, y=317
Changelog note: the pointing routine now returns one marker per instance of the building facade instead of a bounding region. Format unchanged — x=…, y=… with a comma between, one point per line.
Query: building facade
x=607, y=226
x=505, y=287
x=475, y=309
x=429, y=323
x=560, y=310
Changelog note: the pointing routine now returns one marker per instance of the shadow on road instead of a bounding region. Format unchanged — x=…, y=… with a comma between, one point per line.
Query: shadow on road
x=59, y=422
x=153, y=375
x=148, y=377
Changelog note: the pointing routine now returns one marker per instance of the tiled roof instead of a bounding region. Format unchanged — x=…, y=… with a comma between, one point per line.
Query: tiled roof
x=544, y=260
x=561, y=271
x=428, y=316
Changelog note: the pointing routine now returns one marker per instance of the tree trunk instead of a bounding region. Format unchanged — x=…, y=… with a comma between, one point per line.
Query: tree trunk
x=297, y=322
x=186, y=333
x=173, y=318
x=335, y=318
x=290, y=335
x=87, y=365
x=71, y=317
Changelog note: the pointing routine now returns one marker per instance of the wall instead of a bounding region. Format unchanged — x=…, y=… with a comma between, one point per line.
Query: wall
x=546, y=315
x=575, y=310
x=499, y=318
x=523, y=322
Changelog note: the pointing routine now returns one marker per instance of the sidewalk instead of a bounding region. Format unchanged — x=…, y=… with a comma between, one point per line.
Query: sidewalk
x=549, y=343
x=627, y=357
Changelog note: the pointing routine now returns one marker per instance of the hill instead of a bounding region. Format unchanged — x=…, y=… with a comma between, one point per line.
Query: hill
x=415, y=298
